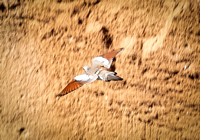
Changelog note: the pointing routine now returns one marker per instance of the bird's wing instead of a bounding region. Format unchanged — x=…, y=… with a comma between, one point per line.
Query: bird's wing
x=77, y=82
x=105, y=59
x=108, y=76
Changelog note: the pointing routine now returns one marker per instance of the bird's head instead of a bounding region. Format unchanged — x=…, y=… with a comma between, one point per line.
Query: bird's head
x=86, y=68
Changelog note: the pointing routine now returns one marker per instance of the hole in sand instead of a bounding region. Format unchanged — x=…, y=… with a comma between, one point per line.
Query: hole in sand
x=21, y=130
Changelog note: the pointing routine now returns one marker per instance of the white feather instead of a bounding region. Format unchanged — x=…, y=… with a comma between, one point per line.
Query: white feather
x=82, y=77
x=86, y=68
x=101, y=61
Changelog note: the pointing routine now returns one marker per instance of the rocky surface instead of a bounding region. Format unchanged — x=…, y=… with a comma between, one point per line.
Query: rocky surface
x=45, y=44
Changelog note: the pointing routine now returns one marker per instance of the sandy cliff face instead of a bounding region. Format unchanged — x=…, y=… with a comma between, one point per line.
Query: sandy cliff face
x=44, y=44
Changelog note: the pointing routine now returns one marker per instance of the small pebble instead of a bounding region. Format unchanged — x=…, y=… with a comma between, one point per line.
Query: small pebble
x=106, y=97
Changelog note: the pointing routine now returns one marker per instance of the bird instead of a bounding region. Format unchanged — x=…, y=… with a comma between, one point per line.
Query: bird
x=95, y=72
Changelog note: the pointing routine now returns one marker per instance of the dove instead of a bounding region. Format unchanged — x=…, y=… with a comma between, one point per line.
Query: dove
x=95, y=72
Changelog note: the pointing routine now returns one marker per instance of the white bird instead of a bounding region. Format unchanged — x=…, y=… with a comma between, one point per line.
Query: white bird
x=95, y=72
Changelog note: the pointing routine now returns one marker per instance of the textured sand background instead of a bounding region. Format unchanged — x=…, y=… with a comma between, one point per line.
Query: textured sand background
x=44, y=44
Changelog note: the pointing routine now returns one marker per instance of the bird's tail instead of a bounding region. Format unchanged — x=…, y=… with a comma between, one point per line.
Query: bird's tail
x=114, y=78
